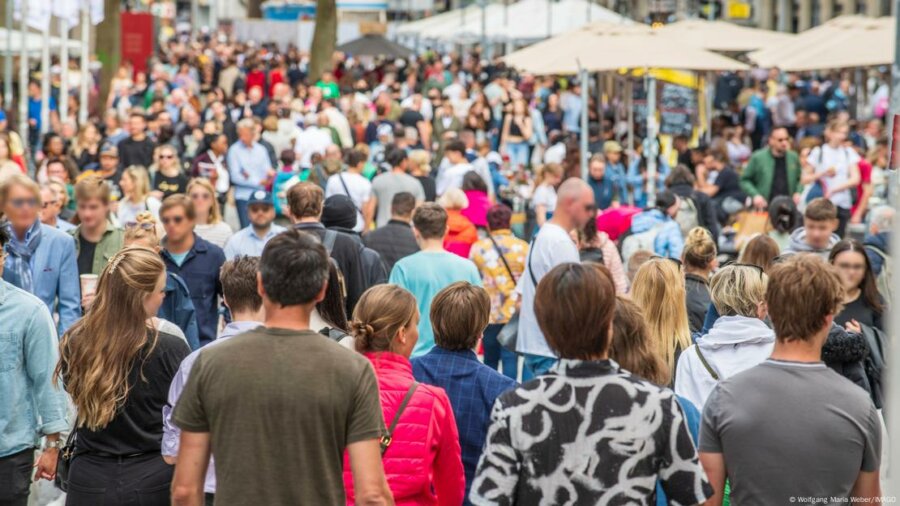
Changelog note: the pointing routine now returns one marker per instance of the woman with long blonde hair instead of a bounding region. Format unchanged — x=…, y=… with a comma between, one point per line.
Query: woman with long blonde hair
x=169, y=178
x=208, y=222
x=136, y=197
x=117, y=368
x=658, y=289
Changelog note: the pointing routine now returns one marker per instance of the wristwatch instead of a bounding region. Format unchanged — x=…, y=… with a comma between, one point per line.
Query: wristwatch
x=58, y=444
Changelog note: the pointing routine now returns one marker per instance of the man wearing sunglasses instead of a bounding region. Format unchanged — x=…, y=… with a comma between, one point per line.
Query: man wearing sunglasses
x=39, y=258
x=196, y=260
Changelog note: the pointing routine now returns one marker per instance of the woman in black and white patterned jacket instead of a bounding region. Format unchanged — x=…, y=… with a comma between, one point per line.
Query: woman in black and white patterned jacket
x=588, y=432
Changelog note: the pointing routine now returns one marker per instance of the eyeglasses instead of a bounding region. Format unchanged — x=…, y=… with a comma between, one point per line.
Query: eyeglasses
x=49, y=203
x=20, y=203
x=173, y=219
x=144, y=225
x=200, y=196
x=657, y=257
x=166, y=157
x=259, y=209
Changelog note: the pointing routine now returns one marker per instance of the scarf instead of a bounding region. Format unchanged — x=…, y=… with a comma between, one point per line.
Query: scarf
x=20, y=254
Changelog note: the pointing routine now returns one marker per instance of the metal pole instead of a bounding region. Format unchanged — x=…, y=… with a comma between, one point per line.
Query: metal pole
x=600, y=103
x=45, y=81
x=8, y=61
x=629, y=104
x=64, y=69
x=583, y=77
x=214, y=15
x=195, y=18
x=651, y=149
x=484, y=42
x=709, y=89
x=23, y=81
x=550, y=21
x=85, y=65
x=711, y=15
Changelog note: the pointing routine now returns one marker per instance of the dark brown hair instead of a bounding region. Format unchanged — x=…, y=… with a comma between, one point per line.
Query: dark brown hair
x=631, y=347
x=305, y=200
x=868, y=286
x=238, y=277
x=574, y=306
x=820, y=209
x=430, y=220
x=178, y=200
x=803, y=290
x=459, y=315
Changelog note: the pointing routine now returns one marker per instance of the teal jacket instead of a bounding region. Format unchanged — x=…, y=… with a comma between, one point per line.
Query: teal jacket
x=760, y=170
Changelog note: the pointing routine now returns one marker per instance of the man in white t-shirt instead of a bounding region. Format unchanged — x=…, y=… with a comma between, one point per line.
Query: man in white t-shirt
x=354, y=185
x=552, y=246
x=314, y=139
x=452, y=175
x=836, y=167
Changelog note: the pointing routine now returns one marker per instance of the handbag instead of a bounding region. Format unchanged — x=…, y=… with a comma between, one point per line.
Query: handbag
x=508, y=337
x=64, y=461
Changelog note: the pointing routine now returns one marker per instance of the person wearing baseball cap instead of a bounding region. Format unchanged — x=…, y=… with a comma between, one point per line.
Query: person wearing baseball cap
x=251, y=239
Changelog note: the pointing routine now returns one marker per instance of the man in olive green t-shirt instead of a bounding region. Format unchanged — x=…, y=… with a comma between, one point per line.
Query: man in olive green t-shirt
x=280, y=404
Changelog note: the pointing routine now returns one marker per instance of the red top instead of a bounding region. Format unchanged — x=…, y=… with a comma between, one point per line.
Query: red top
x=423, y=465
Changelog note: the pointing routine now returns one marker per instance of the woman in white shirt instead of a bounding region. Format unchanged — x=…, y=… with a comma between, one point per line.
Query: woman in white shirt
x=739, y=339
x=136, y=198
x=208, y=222
x=835, y=169
x=354, y=185
x=547, y=178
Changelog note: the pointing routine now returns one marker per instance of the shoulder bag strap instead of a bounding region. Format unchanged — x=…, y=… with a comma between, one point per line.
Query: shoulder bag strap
x=329, y=240
x=706, y=365
x=347, y=191
x=388, y=437
x=502, y=258
x=528, y=261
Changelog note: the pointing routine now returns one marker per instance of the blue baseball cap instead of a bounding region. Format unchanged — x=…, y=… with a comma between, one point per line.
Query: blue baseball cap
x=260, y=197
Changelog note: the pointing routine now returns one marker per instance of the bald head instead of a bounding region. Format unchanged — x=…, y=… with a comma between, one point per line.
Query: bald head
x=575, y=204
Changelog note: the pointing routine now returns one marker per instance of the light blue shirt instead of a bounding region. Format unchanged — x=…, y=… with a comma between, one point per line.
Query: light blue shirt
x=425, y=274
x=246, y=242
x=248, y=167
x=178, y=258
x=32, y=405
x=171, y=432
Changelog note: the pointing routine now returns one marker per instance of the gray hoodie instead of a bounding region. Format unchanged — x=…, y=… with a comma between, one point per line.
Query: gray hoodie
x=798, y=244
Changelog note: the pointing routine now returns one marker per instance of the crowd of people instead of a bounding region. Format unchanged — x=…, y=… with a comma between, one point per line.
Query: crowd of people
x=391, y=285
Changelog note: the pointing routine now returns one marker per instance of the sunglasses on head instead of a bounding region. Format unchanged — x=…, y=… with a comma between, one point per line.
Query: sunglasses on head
x=145, y=225
x=755, y=267
x=657, y=257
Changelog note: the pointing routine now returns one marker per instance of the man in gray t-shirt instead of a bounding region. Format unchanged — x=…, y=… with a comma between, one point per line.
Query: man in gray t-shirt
x=791, y=429
x=386, y=185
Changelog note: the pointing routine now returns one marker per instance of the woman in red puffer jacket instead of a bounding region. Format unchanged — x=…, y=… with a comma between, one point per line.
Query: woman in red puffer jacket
x=422, y=462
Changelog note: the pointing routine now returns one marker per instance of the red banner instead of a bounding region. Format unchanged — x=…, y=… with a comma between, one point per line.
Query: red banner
x=137, y=39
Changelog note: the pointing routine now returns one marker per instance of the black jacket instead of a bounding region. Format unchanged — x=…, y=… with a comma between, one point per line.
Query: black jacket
x=393, y=241
x=373, y=266
x=706, y=209
x=346, y=253
x=697, y=291
x=844, y=352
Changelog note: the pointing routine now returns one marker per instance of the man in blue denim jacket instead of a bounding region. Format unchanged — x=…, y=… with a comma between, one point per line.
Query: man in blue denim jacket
x=33, y=405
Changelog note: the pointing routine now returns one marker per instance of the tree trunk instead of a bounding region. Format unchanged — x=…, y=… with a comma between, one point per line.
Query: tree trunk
x=254, y=8
x=324, y=39
x=109, y=46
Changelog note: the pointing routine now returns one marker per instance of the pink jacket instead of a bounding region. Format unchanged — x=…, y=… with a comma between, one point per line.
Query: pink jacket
x=423, y=464
x=479, y=203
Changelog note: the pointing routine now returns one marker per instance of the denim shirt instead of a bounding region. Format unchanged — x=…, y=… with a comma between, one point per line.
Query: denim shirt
x=33, y=405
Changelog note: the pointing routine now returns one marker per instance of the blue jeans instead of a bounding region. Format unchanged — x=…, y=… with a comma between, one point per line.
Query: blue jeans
x=243, y=215
x=518, y=153
x=536, y=365
x=495, y=353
